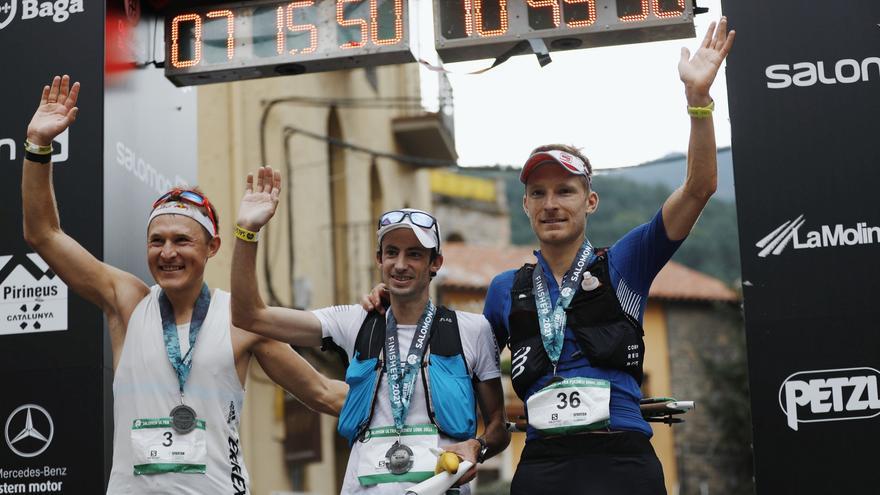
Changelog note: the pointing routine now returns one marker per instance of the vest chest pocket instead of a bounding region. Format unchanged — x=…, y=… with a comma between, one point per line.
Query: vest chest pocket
x=616, y=345
x=450, y=390
x=362, y=380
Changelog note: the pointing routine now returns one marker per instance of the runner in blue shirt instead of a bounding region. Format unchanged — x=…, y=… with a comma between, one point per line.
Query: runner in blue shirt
x=573, y=321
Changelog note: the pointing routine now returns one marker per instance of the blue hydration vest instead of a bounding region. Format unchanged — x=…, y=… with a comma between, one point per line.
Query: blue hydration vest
x=448, y=385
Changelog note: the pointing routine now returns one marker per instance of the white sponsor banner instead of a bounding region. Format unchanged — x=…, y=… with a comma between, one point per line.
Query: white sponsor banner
x=32, y=297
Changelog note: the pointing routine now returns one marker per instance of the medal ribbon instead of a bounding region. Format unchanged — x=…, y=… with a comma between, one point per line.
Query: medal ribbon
x=402, y=375
x=552, y=319
x=182, y=364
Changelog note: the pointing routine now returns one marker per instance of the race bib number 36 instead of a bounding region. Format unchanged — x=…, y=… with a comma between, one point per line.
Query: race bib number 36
x=157, y=448
x=570, y=406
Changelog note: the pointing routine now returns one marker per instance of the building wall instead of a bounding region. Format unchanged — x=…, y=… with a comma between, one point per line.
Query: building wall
x=657, y=384
x=470, y=209
x=707, y=346
x=229, y=140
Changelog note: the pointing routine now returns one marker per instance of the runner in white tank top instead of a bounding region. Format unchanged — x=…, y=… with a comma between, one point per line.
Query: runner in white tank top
x=213, y=390
x=182, y=235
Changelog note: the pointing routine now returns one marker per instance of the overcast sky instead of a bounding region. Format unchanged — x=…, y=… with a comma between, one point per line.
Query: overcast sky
x=624, y=105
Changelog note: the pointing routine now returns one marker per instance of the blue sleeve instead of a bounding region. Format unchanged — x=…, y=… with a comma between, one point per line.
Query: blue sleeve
x=640, y=255
x=497, y=306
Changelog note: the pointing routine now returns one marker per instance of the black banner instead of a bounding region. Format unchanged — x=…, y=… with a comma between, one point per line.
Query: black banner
x=51, y=341
x=804, y=82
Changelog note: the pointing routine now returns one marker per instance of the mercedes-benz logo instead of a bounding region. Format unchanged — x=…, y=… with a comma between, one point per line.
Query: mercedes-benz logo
x=29, y=430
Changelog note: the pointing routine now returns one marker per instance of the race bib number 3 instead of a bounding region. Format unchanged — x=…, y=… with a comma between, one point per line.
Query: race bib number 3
x=570, y=406
x=157, y=448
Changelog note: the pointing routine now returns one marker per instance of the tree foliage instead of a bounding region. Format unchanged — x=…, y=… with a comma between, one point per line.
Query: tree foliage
x=712, y=247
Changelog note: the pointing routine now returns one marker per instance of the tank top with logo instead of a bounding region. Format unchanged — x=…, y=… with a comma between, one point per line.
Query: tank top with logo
x=146, y=389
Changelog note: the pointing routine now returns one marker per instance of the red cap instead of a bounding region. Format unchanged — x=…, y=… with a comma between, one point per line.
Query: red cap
x=569, y=162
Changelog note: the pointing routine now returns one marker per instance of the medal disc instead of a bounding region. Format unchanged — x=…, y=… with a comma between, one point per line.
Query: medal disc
x=183, y=419
x=399, y=459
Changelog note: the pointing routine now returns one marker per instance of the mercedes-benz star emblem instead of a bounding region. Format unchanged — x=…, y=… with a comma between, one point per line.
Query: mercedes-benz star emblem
x=29, y=430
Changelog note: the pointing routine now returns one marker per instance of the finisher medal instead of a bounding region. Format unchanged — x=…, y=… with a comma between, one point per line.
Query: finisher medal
x=399, y=459
x=183, y=419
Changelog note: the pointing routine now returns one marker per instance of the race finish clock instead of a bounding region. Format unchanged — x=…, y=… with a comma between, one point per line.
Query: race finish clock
x=248, y=40
x=477, y=29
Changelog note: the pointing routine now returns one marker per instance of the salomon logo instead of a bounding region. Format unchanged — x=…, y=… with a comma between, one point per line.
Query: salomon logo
x=832, y=395
x=827, y=236
x=518, y=363
x=805, y=74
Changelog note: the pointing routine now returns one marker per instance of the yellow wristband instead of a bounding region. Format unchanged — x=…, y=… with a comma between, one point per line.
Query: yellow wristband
x=37, y=149
x=702, y=112
x=245, y=234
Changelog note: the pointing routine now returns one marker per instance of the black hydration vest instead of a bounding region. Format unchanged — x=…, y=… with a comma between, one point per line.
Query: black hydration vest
x=606, y=335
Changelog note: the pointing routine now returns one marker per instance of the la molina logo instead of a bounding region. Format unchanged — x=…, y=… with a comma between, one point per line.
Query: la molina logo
x=58, y=10
x=837, y=235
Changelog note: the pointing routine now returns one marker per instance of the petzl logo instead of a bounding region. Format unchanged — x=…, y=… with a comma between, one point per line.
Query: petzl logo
x=29, y=430
x=826, y=236
x=832, y=395
x=7, y=12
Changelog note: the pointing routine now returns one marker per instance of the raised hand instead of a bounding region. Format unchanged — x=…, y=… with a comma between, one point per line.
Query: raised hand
x=260, y=200
x=699, y=72
x=56, y=112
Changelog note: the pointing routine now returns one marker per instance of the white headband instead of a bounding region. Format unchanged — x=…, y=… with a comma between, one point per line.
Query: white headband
x=187, y=210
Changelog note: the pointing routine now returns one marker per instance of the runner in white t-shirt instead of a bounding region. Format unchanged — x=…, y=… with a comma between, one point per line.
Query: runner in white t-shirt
x=407, y=399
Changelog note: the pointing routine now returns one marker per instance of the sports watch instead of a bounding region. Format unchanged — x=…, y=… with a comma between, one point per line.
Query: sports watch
x=484, y=449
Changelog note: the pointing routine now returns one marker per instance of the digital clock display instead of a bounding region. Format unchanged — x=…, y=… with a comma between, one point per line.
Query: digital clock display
x=246, y=40
x=475, y=29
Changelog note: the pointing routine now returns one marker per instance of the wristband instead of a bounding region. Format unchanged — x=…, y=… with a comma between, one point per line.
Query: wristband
x=245, y=234
x=37, y=149
x=37, y=157
x=702, y=112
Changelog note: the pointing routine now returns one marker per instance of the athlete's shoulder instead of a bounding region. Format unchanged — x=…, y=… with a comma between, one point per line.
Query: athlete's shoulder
x=344, y=317
x=503, y=281
x=472, y=322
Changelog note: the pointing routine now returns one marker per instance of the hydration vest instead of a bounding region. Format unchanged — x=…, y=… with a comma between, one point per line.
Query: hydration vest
x=606, y=335
x=448, y=386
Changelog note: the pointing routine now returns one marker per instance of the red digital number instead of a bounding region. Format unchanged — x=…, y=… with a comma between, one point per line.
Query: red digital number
x=175, y=41
x=553, y=4
x=557, y=12
x=279, y=30
x=591, y=13
x=398, y=23
x=665, y=14
x=640, y=16
x=311, y=28
x=477, y=7
x=342, y=21
x=230, y=30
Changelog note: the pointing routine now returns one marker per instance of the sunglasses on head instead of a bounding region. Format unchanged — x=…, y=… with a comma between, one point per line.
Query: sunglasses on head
x=416, y=217
x=188, y=196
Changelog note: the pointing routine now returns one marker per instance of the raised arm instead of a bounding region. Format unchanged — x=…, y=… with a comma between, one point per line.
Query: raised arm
x=293, y=373
x=248, y=309
x=114, y=291
x=681, y=210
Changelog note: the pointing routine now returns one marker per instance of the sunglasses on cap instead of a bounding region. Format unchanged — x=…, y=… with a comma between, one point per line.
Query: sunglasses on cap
x=417, y=218
x=188, y=196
